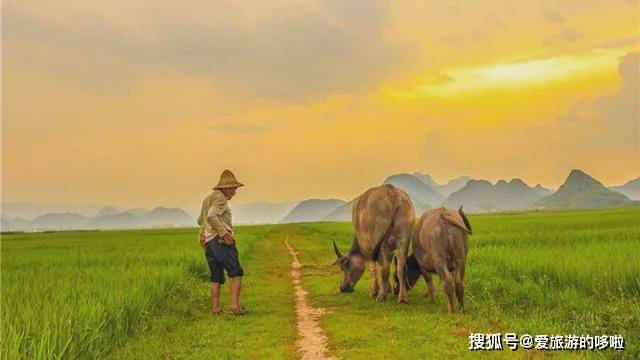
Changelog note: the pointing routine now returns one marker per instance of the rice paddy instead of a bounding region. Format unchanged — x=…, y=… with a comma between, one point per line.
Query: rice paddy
x=144, y=293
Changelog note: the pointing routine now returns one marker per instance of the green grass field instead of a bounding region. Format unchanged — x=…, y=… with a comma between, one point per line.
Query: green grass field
x=144, y=294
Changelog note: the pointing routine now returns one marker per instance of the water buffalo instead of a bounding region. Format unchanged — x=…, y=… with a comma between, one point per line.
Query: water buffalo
x=382, y=218
x=440, y=245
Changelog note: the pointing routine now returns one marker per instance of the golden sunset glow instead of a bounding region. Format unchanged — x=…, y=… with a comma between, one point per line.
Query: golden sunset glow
x=519, y=76
x=140, y=104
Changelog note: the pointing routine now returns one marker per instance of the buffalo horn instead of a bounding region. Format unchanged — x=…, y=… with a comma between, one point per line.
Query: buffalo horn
x=335, y=248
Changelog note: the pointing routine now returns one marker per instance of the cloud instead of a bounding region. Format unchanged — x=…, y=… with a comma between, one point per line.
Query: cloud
x=602, y=134
x=565, y=35
x=553, y=16
x=437, y=78
x=570, y=35
x=620, y=113
x=287, y=53
x=619, y=42
x=611, y=120
x=482, y=152
x=576, y=112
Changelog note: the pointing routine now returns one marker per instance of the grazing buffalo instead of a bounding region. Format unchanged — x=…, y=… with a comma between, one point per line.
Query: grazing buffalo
x=382, y=217
x=440, y=245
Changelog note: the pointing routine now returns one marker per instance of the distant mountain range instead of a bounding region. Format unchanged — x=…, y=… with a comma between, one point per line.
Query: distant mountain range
x=445, y=190
x=341, y=213
x=58, y=221
x=631, y=189
x=31, y=210
x=476, y=195
x=312, y=210
x=109, y=210
x=106, y=218
x=123, y=220
x=542, y=191
x=580, y=190
x=482, y=196
x=260, y=212
x=418, y=186
x=420, y=193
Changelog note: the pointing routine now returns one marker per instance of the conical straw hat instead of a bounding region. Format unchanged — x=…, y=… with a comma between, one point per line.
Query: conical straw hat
x=228, y=180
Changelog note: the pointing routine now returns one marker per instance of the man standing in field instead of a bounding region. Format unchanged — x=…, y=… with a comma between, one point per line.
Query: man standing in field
x=216, y=236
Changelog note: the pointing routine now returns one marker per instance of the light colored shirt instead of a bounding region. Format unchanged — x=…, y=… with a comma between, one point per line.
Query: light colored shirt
x=215, y=215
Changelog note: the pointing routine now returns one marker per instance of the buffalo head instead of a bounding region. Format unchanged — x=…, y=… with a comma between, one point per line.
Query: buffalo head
x=352, y=265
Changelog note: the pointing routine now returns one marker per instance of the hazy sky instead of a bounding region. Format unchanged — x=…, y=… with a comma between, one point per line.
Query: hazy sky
x=140, y=103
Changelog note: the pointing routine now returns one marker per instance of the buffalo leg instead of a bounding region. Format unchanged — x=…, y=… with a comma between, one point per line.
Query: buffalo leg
x=431, y=290
x=387, y=281
x=447, y=284
x=373, y=270
x=459, y=276
x=402, y=278
x=403, y=237
x=385, y=265
x=402, y=291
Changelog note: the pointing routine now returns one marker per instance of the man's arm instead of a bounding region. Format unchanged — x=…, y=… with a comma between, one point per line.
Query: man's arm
x=202, y=213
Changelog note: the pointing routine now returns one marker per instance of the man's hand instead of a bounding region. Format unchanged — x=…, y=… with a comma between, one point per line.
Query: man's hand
x=228, y=238
x=202, y=238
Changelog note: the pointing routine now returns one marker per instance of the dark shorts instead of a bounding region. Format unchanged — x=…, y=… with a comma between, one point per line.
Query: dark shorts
x=222, y=257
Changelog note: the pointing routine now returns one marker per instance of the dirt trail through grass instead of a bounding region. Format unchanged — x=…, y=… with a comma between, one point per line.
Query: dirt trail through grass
x=272, y=293
x=312, y=341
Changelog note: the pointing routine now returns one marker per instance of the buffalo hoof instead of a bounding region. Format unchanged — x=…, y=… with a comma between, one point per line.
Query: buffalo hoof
x=403, y=301
x=346, y=289
x=380, y=298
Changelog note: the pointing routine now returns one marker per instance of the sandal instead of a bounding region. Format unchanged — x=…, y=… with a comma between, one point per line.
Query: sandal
x=217, y=312
x=238, y=311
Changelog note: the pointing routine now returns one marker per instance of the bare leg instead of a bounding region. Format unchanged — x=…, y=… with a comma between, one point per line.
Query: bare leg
x=431, y=290
x=236, y=283
x=447, y=284
x=373, y=270
x=215, y=297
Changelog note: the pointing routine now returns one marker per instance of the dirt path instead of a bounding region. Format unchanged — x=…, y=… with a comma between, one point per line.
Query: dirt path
x=312, y=341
